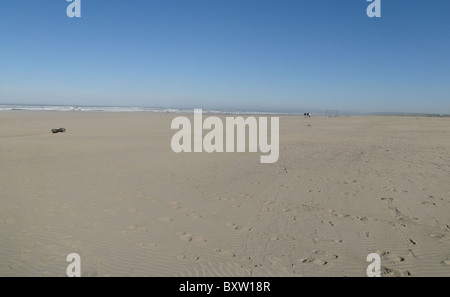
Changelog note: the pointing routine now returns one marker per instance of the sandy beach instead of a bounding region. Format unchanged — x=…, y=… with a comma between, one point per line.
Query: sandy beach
x=112, y=190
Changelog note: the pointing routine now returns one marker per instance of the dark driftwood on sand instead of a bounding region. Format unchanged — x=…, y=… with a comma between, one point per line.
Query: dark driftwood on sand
x=62, y=130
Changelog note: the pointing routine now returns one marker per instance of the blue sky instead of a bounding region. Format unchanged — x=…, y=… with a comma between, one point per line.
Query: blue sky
x=278, y=55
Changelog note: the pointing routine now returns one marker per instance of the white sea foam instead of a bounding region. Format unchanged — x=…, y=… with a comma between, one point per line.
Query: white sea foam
x=68, y=108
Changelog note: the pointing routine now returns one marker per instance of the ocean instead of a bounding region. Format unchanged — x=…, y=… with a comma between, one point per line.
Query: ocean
x=73, y=108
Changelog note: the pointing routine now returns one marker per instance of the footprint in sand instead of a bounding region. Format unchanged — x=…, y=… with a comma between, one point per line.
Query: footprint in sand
x=362, y=219
x=428, y=202
x=411, y=241
x=319, y=257
x=225, y=252
x=192, y=258
x=314, y=261
x=247, y=196
x=364, y=234
x=396, y=211
x=270, y=202
x=328, y=223
x=189, y=212
x=446, y=262
x=133, y=229
x=181, y=257
x=439, y=237
x=176, y=205
x=388, y=272
x=351, y=217
x=239, y=227
x=185, y=236
x=190, y=237
x=412, y=254
x=332, y=212
x=389, y=258
x=350, y=181
x=344, y=216
x=399, y=216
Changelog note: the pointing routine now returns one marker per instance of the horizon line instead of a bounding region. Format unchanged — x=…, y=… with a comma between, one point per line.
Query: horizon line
x=225, y=110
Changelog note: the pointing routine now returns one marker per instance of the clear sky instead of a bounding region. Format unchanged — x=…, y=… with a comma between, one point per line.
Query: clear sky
x=279, y=55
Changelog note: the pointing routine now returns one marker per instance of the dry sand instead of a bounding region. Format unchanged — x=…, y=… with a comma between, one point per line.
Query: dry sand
x=112, y=190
